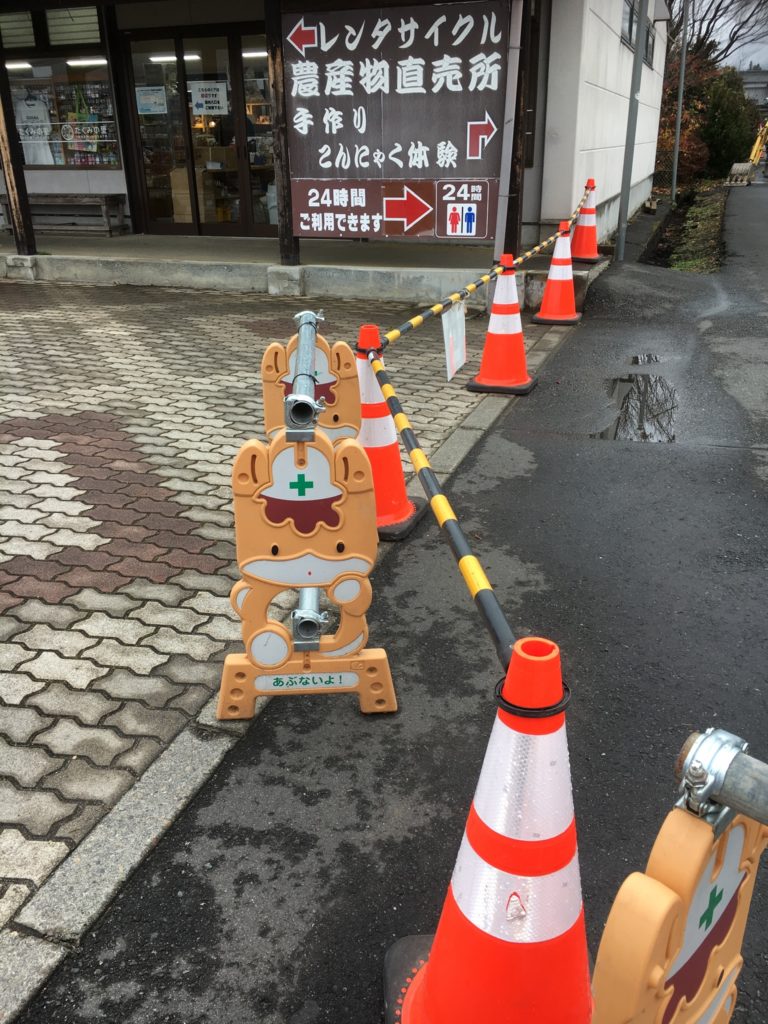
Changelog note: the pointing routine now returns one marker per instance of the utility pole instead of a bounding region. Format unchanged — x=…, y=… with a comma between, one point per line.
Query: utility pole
x=629, y=145
x=680, y=91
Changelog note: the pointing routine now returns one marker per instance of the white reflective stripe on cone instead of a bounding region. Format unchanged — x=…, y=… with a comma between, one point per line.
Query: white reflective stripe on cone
x=370, y=391
x=588, y=220
x=557, y=273
x=506, y=290
x=516, y=908
x=562, y=248
x=505, y=323
x=377, y=432
x=518, y=770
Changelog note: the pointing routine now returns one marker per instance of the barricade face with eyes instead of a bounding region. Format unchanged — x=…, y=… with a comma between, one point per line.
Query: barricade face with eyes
x=335, y=383
x=304, y=517
x=671, y=952
x=671, y=949
x=305, y=521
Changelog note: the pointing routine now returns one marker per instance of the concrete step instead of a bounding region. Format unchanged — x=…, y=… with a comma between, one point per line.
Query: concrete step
x=420, y=286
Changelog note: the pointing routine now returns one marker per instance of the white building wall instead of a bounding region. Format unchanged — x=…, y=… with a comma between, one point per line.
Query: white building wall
x=566, y=55
x=590, y=73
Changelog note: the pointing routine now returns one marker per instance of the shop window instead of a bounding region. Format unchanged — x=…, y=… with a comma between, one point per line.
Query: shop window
x=650, y=44
x=161, y=113
x=629, y=31
x=73, y=25
x=17, y=30
x=628, y=23
x=65, y=113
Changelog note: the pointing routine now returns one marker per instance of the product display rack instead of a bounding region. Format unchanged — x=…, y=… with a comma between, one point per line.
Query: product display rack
x=83, y=131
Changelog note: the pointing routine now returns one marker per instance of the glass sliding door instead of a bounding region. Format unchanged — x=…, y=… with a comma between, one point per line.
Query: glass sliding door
x=213, y=120
x=162, y=144
x=204, y=116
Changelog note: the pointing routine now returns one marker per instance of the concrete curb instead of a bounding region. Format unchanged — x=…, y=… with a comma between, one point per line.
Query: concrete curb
x=71, y=900
x=83, y=886
x=409, y=284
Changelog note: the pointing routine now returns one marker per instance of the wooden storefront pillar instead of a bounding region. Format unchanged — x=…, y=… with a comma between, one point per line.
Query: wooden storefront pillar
x=12, y=158
x=514, y=223
x=289, y=243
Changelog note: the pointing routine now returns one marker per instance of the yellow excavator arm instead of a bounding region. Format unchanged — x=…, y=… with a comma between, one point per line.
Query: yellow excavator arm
x=760, y=142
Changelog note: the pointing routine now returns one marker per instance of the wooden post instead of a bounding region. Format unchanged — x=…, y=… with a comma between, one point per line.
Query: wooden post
x=289, y=243
x=517, y=169
x=12, y=158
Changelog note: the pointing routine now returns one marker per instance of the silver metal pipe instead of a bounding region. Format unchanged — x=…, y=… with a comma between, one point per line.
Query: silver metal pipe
x=745, y=787
x=301, y=412
x=307, y=620
x=629, y=144
x=304, y=378
x=301, y=408
x=680, y=92
x=717, y=774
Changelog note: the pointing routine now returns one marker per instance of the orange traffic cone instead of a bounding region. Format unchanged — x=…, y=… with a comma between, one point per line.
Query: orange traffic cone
x=396, y=513
x=503, y=368
x=559, y=303
x=511, y=944
x=584, y=243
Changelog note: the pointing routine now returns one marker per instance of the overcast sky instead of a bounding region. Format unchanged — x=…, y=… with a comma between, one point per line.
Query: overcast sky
x=755, y=52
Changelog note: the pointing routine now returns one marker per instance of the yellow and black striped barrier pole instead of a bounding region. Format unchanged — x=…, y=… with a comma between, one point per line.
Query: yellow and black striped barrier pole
x=440, y=307
x=471, y=570
x=477, y=582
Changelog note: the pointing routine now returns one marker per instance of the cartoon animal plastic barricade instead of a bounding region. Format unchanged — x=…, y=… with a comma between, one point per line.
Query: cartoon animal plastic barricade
x=671, y=949
x=335, y=382
x=304, y=517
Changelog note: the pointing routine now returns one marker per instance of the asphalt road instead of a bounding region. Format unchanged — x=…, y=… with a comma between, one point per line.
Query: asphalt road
x=325, y=835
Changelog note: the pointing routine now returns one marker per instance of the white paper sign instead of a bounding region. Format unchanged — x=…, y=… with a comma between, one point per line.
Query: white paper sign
x=209, y=97
x=151, y=99
x=455, y=337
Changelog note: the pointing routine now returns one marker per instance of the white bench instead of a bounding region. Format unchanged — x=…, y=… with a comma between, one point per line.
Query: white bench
x=60, y=212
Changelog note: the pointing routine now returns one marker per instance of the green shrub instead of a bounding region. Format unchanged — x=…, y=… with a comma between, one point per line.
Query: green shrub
x=730, y=123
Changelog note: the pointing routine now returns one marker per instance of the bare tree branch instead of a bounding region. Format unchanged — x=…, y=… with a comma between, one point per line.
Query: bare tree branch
x=720, y=27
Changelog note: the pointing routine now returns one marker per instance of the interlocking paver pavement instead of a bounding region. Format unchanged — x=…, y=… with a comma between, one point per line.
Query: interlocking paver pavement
x=121, y=410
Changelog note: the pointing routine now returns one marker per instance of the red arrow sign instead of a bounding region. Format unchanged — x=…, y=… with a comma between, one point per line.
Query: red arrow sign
x=301, y=36
x=479, y=134
x=408, y=208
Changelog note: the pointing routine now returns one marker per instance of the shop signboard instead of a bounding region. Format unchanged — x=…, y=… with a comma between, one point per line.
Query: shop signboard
x=395, y=120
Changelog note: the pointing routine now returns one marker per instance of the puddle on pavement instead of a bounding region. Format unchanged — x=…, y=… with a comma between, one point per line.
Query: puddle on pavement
x=647, y=407
x=647, y=357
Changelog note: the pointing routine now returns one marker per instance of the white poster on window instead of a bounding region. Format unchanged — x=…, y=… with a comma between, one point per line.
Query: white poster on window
x=151, y=99
x=209, y=97
x=455, y=337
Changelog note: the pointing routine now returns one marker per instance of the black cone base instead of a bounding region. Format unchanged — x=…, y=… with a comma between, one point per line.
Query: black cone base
x=551, y=320
x=402, y=961
x=399, y=531
x=500, y=389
